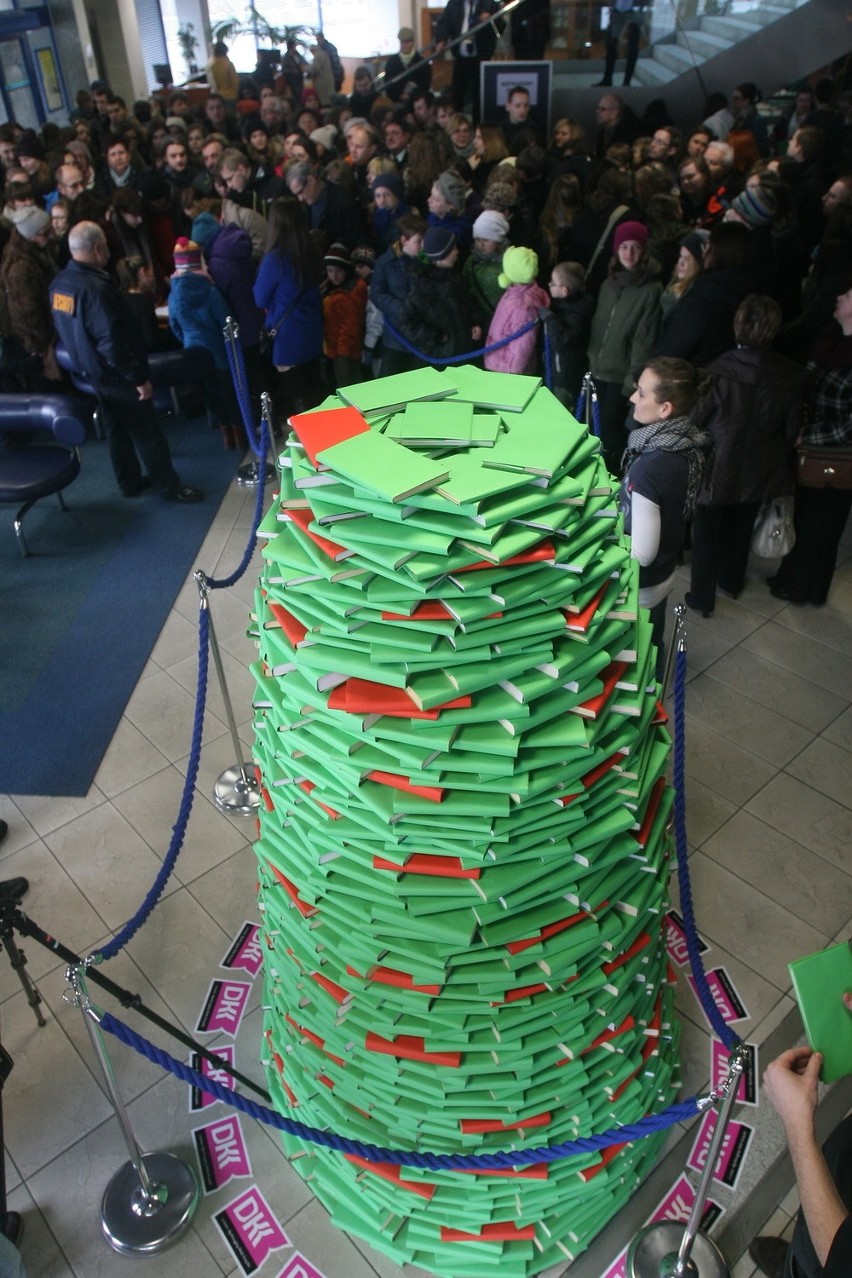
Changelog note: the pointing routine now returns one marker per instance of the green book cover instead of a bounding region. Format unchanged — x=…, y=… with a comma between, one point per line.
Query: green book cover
x=379, y=465
x=391, y=393
x=426, y=424
x=820, y=980
x=510, y=392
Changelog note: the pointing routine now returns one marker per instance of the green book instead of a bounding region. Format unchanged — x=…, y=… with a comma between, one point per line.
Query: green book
x=469, y=482
x=393, y=393
x=538, y=449
x=509, y=392
x=819, y=981
x=373, y=462
x=425, y=424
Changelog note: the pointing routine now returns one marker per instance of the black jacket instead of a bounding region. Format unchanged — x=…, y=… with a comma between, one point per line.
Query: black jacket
x=436, y=315
x=451, y=24
x=700, y=327
x=95, y=324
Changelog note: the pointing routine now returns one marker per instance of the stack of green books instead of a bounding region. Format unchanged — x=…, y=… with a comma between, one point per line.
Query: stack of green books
x=463, y=856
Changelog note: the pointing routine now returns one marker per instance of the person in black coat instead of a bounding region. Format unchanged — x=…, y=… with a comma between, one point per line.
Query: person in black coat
x=416, y=70
x=329, y=207
x=700, y=327
x=458, y=17
x=436, y=316
x=568, y=323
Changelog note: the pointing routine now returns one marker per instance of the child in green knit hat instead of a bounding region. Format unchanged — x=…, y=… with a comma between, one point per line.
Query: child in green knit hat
x=517, y=308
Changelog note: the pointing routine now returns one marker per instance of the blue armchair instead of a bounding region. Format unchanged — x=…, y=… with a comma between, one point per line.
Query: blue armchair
x=29, y=469
x=179, y=379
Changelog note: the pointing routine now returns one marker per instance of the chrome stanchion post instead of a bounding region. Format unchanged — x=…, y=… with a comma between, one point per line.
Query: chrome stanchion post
x=236, y=792
x=678, y=644
x=656, y=1252
x=152, y=1198
x=248, y=475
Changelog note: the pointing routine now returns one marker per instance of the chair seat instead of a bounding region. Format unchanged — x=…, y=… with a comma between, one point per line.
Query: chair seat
x=31, y=472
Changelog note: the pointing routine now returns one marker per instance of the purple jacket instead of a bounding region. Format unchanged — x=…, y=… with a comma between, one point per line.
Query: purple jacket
x=518, y=305
x=231, y=267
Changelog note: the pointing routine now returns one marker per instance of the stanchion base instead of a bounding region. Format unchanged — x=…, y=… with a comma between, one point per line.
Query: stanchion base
x=248, y=476
x=235, y=794
x=653, y=1254
x=132, y=1226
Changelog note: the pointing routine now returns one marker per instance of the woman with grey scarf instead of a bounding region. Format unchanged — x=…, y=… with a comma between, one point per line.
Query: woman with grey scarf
x=666, y=464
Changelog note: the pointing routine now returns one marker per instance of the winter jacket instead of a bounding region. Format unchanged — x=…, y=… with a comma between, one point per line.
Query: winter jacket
x=25, y=274
x=568, y=325
x=230, y=264
x=344, y=315
x=700, y=327
x=197, y=315
x=97, y=327
x=392, y=278
x=516, y=308
x=625, y=326
x=480, y=274
x=455, y=222
x=294, y=310
x=754, y=413
x=384, y=225
x=436, y=314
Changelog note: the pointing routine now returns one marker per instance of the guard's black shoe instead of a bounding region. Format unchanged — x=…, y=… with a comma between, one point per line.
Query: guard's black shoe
x=14, y=889
x=13, y=1227
x=184, y=494
x=769, y=1254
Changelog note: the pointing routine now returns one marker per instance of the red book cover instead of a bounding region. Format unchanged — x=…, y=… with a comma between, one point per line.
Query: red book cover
x=306, y=911
x=392, y=1172
x=330, y=548
x=601, y=770
x=540, y=553
x=362, y=696
x=498, y=1231
x=517, y=947
x=641, y=941
x=409, y=1048
x=433, y=792
x=606, y=1156
x=608, y=1035
x=429, y=610
x=402, y=980
x=477, y=1126
x=538, y=1171
x=292, y=627
x=442, y=867
x=580, y=621
x=642, y=834
x=523, y=991
x=309, y=787
x=337, y=992
x=610, y=677
x=316, y=431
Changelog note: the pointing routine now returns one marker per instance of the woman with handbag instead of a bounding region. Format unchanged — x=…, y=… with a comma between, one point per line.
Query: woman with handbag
x=754, y=413
x=287, y=289
x=824, y=475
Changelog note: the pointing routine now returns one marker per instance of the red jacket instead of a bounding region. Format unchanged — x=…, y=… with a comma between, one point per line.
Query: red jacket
x=343, y=312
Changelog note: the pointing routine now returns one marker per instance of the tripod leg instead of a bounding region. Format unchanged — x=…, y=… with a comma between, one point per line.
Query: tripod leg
x=18, y=960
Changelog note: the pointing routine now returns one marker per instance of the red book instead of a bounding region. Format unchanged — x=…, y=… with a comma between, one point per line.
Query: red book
x=610, y=676
x=601, y=770
x=315, y=1039
x=433, y=792
x=409, y=1048
x=302, y=518
x=337, y=992
x=643, y=833
x=565, y=799
x=292, y=627
x=517, y=947
x=540, y=553
x=523, y=991
x=608, y=1035
x=605, y=1156
x=402, y=980
x=306, y=911
x=580, y=621
x=392, y=1172
x=362, y=696
x=316, y=431
x=429, y=610
x=309, y=787
x=498, y=1231
x=538, y=1171
x=477, y=1126
x=641, y=941
x=442, y=867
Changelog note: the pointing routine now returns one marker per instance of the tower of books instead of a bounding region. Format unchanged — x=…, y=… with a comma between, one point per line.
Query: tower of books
x=463, y=856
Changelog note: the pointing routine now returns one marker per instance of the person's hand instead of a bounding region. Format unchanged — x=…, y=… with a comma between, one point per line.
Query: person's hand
x=791, y=1085
x=847, y=1000
x=440, y=46
x=476, y=333
x=145, y=391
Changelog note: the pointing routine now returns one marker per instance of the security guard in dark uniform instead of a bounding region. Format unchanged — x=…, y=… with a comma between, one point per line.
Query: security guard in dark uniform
x=95, y=324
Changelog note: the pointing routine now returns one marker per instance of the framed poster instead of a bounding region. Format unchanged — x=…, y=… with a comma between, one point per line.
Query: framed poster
x=497, y=79
x=51, y=91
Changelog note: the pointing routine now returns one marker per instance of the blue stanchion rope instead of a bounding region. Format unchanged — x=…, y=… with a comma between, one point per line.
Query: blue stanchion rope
x=219, y=583
x=406, y=1158
x=548, y=362
x=580, y=412
x=459, y=359
x=132, y=926
x=705, y=997
x=236, y=362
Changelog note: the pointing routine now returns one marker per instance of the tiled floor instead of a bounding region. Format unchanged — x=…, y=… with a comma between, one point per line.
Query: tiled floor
x=770, y=818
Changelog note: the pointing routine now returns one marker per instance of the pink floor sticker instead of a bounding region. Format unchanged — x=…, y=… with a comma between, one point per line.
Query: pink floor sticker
x=676, y=940
x=245, y=952
x=298, y=1266
x=677, y=1204
x=732, y=1155
x=221, y=1152
x=199, y=1099
x=618, y=1268
x=250, y=1229
x=719, y=1058
x=731, y=1006
x=223, y=1007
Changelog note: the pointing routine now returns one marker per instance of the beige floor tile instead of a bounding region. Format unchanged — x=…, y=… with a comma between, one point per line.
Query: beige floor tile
x=826, y=767
x=163, y=711
x=178, y=639
x=46, y=814
x=825, y=625
x=722, y=766
x=840, y=732
x=41, y=1252
x=791, y=695
x=744, y=1268
x=240, y=683
x=801, y=655
x=229, y=891
x=329, y=1249
x=110, y=863
x=705, y=811
x=746, y=922
x=764, y=732
x=730, y=622
x=806, y=815
x=759, y=995
x=788, y=873
x=130, y=757
x=152, y=806
x=704, y=649
x=20, y=831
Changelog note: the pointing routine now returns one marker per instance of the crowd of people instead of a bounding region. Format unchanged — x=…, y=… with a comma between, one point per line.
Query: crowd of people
x=359, y=235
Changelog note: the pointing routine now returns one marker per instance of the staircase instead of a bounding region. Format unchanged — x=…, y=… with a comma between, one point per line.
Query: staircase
x=713, y=46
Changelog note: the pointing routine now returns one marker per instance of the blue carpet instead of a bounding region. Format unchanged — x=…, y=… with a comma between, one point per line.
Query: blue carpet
x=79, y=617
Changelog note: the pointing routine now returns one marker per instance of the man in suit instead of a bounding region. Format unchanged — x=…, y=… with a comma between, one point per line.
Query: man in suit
x=456, y=20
